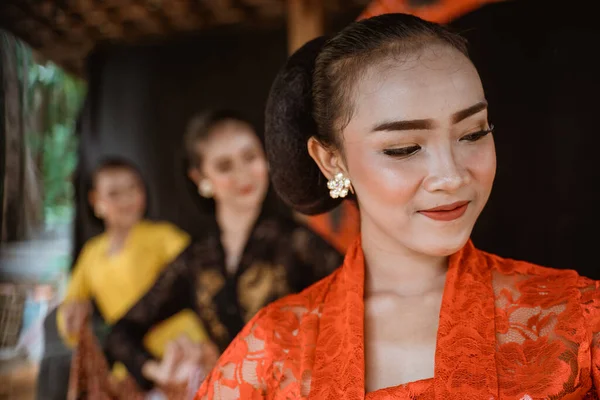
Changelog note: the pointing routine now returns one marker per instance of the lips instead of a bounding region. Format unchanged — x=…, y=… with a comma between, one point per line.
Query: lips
x=447, y=212
x=247, y=190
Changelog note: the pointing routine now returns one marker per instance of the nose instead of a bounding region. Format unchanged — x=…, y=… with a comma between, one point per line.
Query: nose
x=446, y=173
x=126, y=198
x=239, y=175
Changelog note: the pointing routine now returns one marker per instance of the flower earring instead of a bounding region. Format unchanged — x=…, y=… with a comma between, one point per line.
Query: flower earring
x=339, y=186
x=205, y=189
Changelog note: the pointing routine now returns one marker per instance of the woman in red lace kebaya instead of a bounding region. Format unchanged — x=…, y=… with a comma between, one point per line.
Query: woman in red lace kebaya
x=391, y=113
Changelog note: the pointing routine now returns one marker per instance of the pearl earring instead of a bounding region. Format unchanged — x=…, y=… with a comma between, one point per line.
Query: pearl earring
x=339, y=186
x=205, y=189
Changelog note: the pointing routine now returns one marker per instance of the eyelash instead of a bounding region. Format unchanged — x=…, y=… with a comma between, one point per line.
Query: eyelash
x=473, y=137
x=405, y=152
x=402, y=152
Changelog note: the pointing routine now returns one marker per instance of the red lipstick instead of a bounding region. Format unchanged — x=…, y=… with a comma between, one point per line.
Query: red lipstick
x=246, y=190
x=448, y=212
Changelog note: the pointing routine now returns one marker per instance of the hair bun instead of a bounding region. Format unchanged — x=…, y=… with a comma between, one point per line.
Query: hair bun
x=289, y=124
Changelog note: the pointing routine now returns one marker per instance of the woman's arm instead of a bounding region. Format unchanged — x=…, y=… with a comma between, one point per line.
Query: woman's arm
x=171, y=293
x=76, y=304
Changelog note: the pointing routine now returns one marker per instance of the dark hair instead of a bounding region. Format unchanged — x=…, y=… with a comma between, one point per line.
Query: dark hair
x=200, y=128
x=312, y=97
x=113, y=163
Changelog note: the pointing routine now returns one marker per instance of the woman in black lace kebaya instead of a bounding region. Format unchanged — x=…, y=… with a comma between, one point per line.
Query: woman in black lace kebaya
x=249, y=255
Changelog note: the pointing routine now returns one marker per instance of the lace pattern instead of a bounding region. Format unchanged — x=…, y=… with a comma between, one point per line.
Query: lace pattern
x=508, y=330
x=281, y=257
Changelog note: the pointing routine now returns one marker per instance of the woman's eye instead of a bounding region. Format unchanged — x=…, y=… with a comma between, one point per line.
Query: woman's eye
x=224, y=166
x=475, y=136
x=402, y=151
x=250, y=157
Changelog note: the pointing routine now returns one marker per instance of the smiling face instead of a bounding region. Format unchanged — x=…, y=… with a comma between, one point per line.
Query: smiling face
x=418, y=151
x=234, y=163
x=118, y=197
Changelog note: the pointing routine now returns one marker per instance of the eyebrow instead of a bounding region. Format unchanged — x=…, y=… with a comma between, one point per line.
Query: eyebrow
x=423, y=124
x=467, y=112
x=228, y=157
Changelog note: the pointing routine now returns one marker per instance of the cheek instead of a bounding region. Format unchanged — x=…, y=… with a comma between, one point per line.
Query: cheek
x=379, y=180
x=111, y=206
x=223, y=183
x=141, y=199
x=259, y=170
x=481, y=163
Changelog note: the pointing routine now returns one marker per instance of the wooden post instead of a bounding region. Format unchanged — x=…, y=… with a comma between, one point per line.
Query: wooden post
x=305, y=22
x=2, y=145
x=12, y=221
x=21, y=204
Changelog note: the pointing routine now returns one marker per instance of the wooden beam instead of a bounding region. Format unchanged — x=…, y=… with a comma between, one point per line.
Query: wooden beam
x=305, y=21
x=13, y=219
x=2, y=146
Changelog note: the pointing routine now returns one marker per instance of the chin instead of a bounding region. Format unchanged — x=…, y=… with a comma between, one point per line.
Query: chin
x=249, y=203
x=443, y=245
x=255, y=199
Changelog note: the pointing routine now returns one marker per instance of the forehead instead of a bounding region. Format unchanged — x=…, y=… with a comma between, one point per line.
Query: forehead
x=431, y=83
x=115, y=176
x=226, y=140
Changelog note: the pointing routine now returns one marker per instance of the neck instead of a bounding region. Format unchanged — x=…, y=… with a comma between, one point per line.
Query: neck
x=117, y=236
x=391, y=267
x=231, y=219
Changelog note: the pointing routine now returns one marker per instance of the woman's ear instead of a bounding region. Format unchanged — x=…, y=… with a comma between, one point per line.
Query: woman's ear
x=329, y=161
x=92, y=198
x=195, y=175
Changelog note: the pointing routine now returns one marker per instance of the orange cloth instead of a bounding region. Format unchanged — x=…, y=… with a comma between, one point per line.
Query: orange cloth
x=342, y=237
x=507, y=330
x=442, y=11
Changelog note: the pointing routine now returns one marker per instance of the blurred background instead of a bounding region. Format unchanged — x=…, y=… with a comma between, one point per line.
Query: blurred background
x=82, y=79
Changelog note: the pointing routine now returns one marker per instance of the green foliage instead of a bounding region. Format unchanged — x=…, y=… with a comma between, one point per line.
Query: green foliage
x=59, y=162
x=52, y=100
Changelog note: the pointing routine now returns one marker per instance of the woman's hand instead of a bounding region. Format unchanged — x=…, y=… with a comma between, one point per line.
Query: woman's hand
x=182, y=359
x=75, y=314
x=205, y=354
